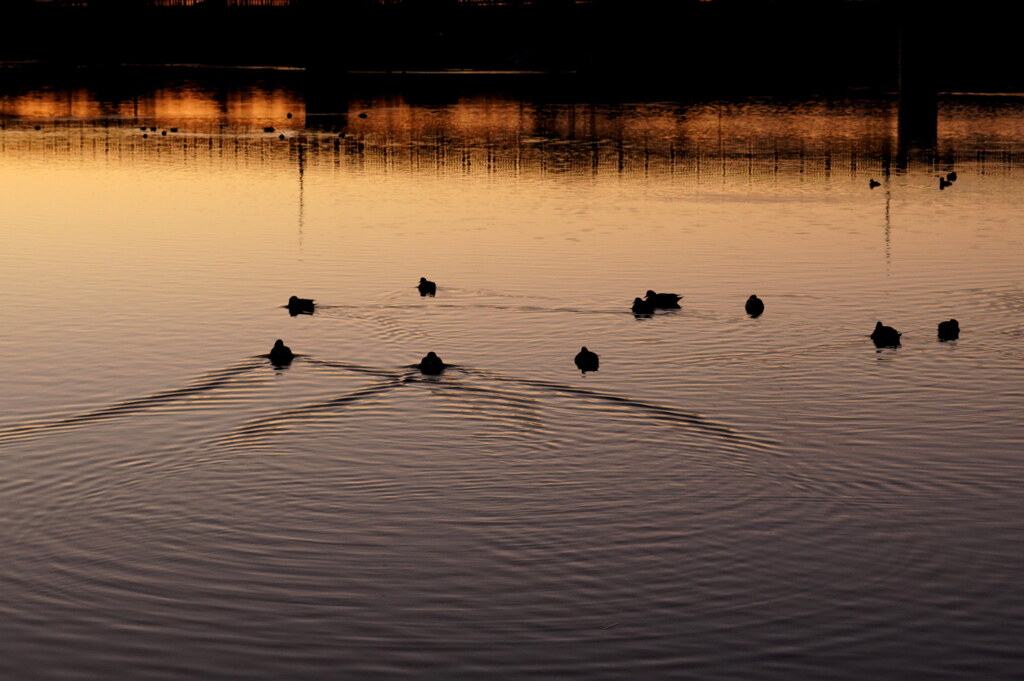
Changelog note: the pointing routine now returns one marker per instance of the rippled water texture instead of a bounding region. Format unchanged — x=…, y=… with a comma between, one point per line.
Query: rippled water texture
x=727, y=498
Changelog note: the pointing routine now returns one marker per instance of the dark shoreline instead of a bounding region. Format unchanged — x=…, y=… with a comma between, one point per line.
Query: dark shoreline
x=739, y=46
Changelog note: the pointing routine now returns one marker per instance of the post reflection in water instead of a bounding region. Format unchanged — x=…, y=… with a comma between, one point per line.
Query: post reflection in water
x=732, y=495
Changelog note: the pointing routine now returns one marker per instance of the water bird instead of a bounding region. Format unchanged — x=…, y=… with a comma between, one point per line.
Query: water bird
x=951, y=176
x=39, y=127
x=426, y=288
x=949, y=330
x=163, y=133
x=664, y=300
x=885, y=336
x=943, y=183
x=281, y=136
x=586, y=360
x=152, y=129
x=298, y=305
x=143, y=128
x=269, y=128
x=641, y=306
x=281, y=354
x=754, y=306
x=362, y=115
x=145, y=135
x=174, y=130
x=431, y=365
x=288, y=115
x=874, y=183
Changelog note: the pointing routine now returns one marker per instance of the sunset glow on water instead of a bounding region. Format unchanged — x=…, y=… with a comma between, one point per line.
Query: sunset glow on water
x=727, y=497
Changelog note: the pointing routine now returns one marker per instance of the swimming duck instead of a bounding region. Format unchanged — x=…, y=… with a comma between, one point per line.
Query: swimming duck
x=431, y=364
x=298, y=305
x=281, y=354
x=663, y=299
x=427, y=288
x=586, y=360
x=754, y=306
x=943, y=183
x=949, y=330
x=885, y=336
x=872, y=183
x=951, y=176
x=641, y=306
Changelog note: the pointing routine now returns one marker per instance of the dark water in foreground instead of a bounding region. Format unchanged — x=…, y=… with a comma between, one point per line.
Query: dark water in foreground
x=727, y=498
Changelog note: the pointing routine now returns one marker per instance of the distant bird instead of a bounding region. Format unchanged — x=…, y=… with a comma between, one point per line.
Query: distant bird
x=663, y=300
x=641, y=306
x=152, y=129
x=39, y=127
x=431, y=365
x=943, y=183
x=362, y=115
x=951, y=176
x=586, y=360
x=174, y=130
x=163, y=133
x=298, y=305
x=873, y=183
x=281, y=136
x=949, y=330
x=885, y=336
x=269, y=128
x=145, y=135
x=143, y=128
x=754, y=306
x=289, y=114
x=427, y=288
x=281, y=354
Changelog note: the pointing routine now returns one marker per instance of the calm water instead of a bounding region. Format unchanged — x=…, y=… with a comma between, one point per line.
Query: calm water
x=727, y=498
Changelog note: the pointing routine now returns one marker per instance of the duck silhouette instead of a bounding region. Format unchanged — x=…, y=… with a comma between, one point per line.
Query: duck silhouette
x=872, y=183
x=951, y=176
x=427, y=288
x=431, y=365
x=885, y=336
x=281, y=354
x=641, y=306
x=298, y=305
x=586, y=360
x=663, y=300
x=943, y=183
x=949, y=330
x=754, y=306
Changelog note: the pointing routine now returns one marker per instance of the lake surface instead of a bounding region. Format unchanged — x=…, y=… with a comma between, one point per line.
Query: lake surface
x=726, y=498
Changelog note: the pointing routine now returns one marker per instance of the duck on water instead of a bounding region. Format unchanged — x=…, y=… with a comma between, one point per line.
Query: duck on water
x=431, y=365
x=426, y=288
x=281, y=354
x=754, y=306
x=298, y=305
x=587, y=360
x=642, y=307
x=663, y=300
x=949, y=330
x=885, y=336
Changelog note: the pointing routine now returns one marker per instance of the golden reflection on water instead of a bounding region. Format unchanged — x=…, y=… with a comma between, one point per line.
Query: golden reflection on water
x=134, y=262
